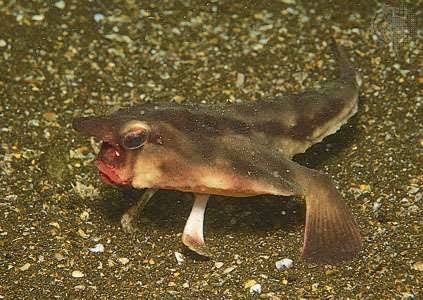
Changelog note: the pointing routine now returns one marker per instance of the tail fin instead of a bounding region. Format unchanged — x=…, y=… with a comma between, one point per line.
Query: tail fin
x=345, y=69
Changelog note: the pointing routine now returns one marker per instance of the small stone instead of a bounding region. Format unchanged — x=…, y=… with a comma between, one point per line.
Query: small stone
x=123, y=260
x=25, y=267
x=300, y=77
x=50, y=116
x=59, y=256
x=414, y=190
x=98, y=248
x=408, y=296
x=376, y=205
x=284, y=264
x=330, y=272
x=413, y=208
x=218, y=264
x=228, y=270
x=82, y=234
x=84, y=216
x=54, y=224
x=270, y=296
x=60, y=4
x=98, y=17
x=418, y=265
x=77, y=274
x=79, y=287
x=365, y=188
x=249, y=283
x=255, y=289
x=110, y=263
x=180, y=258
x=38, y=17
x=178, y=99
x=240, y=79
x=3, y=43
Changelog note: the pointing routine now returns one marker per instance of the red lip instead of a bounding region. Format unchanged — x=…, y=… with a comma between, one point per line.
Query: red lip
x=108, y=174
x=105, y=179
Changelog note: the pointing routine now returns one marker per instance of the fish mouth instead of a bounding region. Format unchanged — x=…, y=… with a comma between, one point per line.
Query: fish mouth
x=107, y=173
x=110, y=164
x=106, y=178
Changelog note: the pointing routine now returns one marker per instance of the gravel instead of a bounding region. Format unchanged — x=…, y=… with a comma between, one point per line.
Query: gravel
x=63, y=59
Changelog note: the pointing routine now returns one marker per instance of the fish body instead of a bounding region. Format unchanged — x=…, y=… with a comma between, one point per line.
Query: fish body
x=242, y=149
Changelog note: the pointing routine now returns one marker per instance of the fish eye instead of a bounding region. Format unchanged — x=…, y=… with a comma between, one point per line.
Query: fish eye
x=134, y=139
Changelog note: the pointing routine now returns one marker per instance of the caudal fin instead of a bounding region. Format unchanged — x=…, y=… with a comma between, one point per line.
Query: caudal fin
x=345, y=68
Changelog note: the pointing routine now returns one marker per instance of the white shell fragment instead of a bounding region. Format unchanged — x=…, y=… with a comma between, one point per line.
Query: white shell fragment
x=60, y=4
x=77, y=274
x=255, y=289
x=284, y=264
x=180, y=258
x=98, y=17
x=97, y=248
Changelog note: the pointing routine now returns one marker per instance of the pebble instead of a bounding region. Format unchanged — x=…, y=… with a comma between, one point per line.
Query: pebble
x=123, y=260
x=376, y=205
x=79, y=287
x=408, y=296
x=77, y=274
x=84, y=216
x=240, y=79
x=98, y=248
x=50, y=116
x=98, y=17
x=178, y=99
x=3, y=43
x=284, y=264
x=60, y=4
x=418, y=265
x=412, y=190
x=59, y=256
x=228, y=270
x=218, y=264
x=25, y=267
x=180, y=258
x=38, y=17
x=82, y=234
x=249, y=283
x=255, y=289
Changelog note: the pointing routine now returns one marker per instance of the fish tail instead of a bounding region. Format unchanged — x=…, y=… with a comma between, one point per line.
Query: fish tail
x=345, y=68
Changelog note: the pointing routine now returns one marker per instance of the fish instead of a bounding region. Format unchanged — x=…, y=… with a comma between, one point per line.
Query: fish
x=236, y=150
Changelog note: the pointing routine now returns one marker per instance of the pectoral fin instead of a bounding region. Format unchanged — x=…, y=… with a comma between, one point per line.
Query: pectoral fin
x=193, y=236
x=128, y=220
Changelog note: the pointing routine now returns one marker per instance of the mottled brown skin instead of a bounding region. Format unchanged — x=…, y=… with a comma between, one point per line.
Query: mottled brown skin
x=240, y=150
